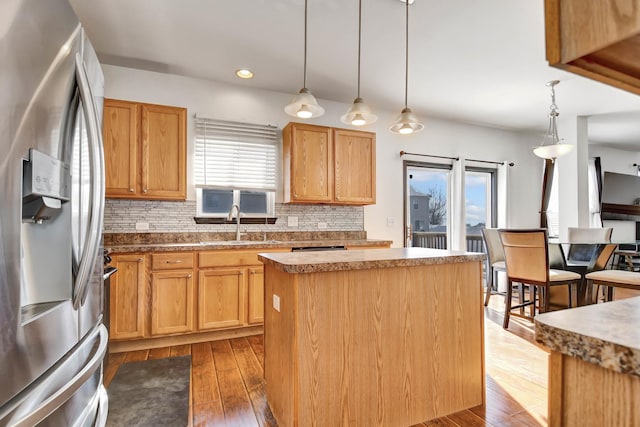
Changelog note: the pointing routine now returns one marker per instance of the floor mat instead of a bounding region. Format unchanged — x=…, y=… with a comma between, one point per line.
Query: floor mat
x=150, y=393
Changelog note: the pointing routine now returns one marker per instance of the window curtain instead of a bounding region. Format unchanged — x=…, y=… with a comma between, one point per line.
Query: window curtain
x=235, y=155
x=458, y=214
x=547, y=182
x=503, y=195
x=595, y=190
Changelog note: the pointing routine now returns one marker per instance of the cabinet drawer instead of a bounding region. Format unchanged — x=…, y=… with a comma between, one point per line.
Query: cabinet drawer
x=228, y=258
x=171, y=261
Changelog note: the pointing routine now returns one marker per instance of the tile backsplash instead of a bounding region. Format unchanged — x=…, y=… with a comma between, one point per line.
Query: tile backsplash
x=121, y=216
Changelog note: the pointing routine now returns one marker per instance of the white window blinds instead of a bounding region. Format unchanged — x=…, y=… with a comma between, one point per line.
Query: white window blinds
x=235, y=155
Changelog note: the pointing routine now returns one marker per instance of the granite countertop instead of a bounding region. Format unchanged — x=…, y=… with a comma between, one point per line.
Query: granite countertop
x=244, y=244
x=605, y=334
x=313, y=262
x=203, y=241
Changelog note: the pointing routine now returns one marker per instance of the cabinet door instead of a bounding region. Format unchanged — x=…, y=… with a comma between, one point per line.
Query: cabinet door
x=310, y=153
x=171, y=302
x=355, y=167
x=120, y=136
x=256, y=295
x=127, y=305
x=163, y=166
x=221, y=298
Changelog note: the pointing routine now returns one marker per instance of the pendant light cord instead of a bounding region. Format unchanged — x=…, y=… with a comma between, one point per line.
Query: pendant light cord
x=406, y=54
x=304, y=78
x=359, y=41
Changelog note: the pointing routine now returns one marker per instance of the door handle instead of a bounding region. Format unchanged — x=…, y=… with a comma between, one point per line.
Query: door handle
x=96, y=189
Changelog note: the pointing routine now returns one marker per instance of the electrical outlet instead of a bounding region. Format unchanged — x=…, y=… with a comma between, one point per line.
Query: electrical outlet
x=391, y=221
x=292, y=221
x=322, y=225
x=141, y=226
x=276, y=303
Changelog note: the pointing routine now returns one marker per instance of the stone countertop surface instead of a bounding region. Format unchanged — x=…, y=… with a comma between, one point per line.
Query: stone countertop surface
x=606, y=334
x=248, y=244
x=314, y=262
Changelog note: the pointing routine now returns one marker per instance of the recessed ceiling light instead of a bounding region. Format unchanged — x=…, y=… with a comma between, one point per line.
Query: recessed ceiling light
x=244, y=73
x=410, y=1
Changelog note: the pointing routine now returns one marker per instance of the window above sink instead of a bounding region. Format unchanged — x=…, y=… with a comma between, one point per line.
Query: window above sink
x=235, y=163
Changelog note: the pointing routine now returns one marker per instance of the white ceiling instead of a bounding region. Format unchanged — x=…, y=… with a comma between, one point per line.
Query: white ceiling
x=472, y=61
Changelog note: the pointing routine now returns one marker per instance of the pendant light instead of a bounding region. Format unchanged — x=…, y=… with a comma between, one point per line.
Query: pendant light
x=304, y=104
x=359, y=114
x=550, y=146
x=407, y=122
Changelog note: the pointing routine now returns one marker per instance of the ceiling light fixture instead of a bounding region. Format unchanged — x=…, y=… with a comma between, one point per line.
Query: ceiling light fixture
x=244, y=73
x=359, y=114
x=304, y=104
x=550, y=146
x=407, y=122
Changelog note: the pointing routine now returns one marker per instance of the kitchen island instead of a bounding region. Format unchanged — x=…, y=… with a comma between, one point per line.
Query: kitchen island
x=594, y=365
x=385, y=337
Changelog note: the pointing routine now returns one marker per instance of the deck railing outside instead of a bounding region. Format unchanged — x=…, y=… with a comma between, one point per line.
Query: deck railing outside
x=438, y=240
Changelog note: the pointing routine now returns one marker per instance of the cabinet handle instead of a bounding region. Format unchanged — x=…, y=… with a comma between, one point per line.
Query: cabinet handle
x=140, y=259
x=177, y=261
x=145, y=190
x=131, y=190
x=188, y=276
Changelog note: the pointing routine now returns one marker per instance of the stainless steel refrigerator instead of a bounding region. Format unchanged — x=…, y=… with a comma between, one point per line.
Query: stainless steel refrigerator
x=52, y=341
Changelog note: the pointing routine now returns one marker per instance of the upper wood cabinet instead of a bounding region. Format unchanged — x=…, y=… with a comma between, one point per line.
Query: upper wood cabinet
x=145, y=151
x=354, y=167
x=598, y=39
x=327, y=165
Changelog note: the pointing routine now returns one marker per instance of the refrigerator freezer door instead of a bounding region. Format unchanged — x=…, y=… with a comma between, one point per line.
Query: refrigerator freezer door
x=62, y=395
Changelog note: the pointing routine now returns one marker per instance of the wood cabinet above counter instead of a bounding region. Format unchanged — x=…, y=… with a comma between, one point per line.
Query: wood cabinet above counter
x=596, y=39
x=328, y=165
x=145, y=150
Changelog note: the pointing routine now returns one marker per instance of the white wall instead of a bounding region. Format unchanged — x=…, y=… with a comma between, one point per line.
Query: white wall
x=440, y=137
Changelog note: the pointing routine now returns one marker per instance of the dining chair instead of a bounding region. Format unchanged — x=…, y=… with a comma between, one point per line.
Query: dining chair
x=609, y=278
x=527, y=260
x=584, y=245
x=495, y=261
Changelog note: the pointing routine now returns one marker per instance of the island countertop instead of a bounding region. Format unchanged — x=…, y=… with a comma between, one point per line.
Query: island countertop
x=606, y=334
x=322, y=261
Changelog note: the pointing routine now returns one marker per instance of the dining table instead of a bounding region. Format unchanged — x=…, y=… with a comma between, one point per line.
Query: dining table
x=580, y=258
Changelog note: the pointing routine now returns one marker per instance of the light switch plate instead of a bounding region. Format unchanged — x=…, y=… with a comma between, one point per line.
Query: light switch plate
x=142, y=226
x=292, y=221
x=276, y=303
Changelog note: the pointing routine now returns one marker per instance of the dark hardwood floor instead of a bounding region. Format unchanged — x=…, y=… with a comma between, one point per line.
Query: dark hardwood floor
x=228, y=388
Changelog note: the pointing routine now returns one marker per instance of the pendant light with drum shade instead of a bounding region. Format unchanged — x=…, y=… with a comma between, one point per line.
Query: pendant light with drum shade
x=359, y=114
x=407, y=122
x=304, y=105
x=551, y=147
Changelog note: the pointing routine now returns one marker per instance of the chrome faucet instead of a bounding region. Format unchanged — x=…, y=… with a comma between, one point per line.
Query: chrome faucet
x=230, y=217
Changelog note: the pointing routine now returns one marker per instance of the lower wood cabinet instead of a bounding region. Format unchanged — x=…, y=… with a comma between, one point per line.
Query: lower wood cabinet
x=221, y=296
x=171, y=302
x=256, y=295
x=128, y=300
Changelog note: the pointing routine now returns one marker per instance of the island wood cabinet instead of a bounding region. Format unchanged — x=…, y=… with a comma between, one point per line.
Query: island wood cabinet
x=171, y=293
x=145, y=150
x=598, y=39
x=327, y=165
x=128, y=301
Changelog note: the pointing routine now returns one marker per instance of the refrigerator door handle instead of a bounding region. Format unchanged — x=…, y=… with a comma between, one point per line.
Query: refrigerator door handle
x=97, y=188
x=68, y=390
